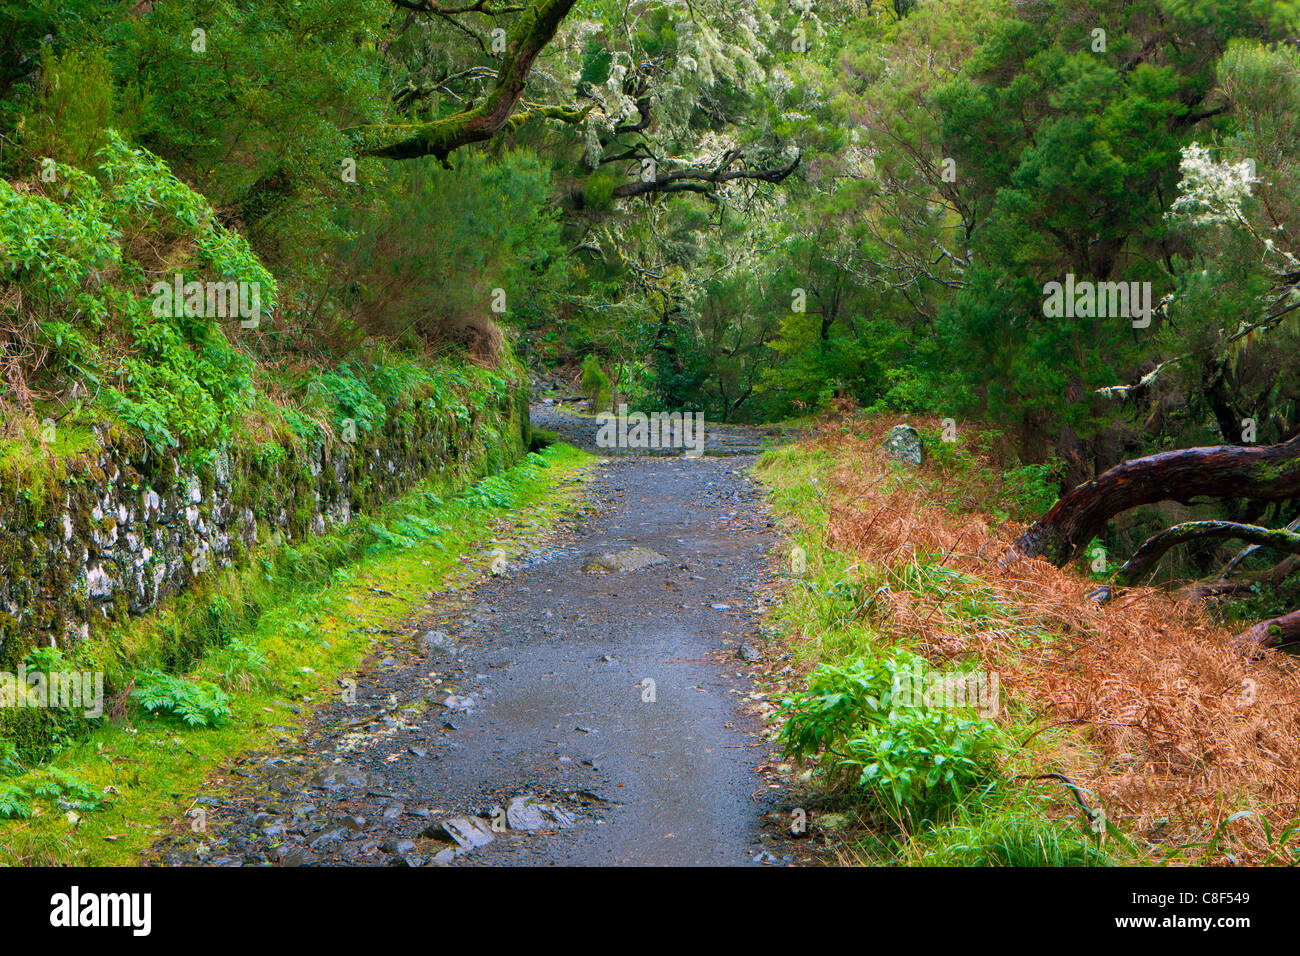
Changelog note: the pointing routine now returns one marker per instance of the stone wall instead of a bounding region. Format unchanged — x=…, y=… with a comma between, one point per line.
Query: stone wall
x=123, y=527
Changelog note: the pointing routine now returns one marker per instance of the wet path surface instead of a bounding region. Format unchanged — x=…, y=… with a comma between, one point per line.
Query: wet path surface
x=615, y=700
x=580, y=431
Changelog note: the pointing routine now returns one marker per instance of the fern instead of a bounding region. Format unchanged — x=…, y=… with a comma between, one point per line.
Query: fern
x=14, y=803
x=10, y=764
x=197, y=704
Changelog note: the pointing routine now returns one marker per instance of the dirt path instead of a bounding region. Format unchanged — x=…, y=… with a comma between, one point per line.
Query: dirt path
x=542, y=688
x=580, y=431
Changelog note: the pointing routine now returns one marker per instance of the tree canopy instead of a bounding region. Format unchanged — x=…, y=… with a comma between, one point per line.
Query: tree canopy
x=1070, y=220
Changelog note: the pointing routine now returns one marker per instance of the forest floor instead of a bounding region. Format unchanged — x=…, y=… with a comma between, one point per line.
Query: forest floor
x=588, y=674
x=555, y=713
x=1133, y=732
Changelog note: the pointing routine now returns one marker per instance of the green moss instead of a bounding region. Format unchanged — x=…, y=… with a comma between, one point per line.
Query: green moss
x=178, y=634
x=309, y=605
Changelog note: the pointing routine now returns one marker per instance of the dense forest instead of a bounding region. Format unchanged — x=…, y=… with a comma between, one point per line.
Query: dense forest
x=1071, y=227
x=748, y=210
x=753, y=211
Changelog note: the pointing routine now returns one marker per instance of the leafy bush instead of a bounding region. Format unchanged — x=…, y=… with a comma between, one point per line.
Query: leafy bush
x=47, y=660
x=85, y=251
x=1032, y=489
x=30, y=736
x=197, y=704
x=353, y=397
x=914, y=762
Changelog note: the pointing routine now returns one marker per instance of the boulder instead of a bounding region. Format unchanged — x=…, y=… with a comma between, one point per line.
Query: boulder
x=903, y=443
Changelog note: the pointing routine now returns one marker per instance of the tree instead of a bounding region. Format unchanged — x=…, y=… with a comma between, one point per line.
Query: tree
x=1270, y=473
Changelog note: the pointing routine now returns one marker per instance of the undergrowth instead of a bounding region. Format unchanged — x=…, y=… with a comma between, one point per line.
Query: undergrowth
x=1107, y=713
x=931, y=783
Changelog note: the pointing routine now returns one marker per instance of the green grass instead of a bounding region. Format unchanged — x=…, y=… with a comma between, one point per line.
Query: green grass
x=280, y=657
x=1010, y=831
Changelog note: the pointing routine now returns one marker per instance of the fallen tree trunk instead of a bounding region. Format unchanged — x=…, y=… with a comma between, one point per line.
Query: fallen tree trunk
x=1247, y=552
x=1154, y=548
x=1220, y=587
x=1273, y=632
x=1270, y=473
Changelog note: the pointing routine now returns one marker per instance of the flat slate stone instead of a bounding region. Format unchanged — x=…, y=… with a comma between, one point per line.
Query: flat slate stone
x=468, y=832
x=629, y=559
x=526, y=813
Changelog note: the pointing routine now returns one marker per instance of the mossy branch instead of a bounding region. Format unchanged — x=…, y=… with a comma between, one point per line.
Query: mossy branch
x=1154, y=548
x=562, y=113
x=534, y=29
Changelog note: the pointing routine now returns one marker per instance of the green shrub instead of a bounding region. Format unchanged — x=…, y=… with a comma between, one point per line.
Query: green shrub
x=30, y=736
x=912, y=761
x=1032, y=489
x=595, y=384
x=70, y=253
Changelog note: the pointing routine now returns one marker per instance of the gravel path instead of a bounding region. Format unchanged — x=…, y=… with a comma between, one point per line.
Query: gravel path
x=580, y=431
x=577, y=717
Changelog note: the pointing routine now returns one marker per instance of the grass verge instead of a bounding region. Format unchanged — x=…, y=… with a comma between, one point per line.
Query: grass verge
x=265, y=645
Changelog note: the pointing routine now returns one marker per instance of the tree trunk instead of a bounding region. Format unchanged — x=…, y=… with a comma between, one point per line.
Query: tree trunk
x=1221, y=587
x=1271, y=473
x=1274, y=632
x=1154, y=548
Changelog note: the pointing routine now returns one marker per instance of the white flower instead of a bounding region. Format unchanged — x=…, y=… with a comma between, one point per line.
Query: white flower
x=780, y=83
x=1211, y=192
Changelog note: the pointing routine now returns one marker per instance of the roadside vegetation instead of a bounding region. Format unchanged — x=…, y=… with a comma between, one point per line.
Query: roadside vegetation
x=763, y=211
x=1127, y=733
x=263, y=645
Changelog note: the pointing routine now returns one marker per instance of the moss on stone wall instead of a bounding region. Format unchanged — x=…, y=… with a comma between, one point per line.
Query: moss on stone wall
x=110, y=533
